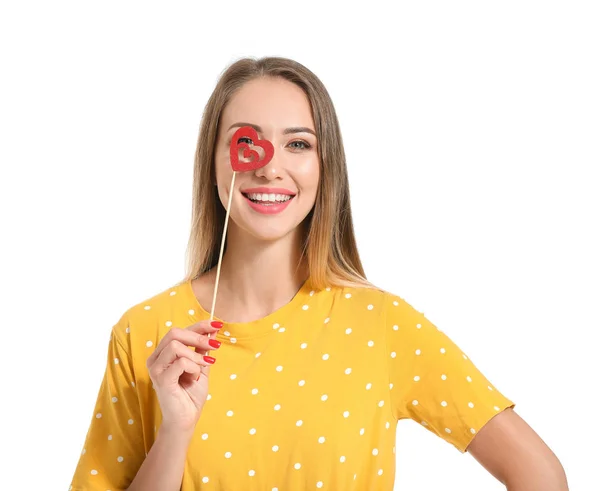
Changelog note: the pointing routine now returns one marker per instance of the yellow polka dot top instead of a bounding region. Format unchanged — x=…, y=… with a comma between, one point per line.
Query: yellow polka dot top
x=305, y=398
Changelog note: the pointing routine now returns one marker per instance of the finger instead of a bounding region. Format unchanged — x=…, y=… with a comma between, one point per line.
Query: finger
x=171, y=375
x=171, y=353
x=191, y=336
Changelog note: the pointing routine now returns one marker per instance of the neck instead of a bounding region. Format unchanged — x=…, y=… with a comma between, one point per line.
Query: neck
x=260, y=276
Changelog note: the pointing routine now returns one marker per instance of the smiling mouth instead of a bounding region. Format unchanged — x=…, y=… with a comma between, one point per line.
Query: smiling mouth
x=268, y=202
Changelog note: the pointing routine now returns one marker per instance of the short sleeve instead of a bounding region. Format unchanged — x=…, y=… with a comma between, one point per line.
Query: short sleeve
x=432, y=381
x=113, y=450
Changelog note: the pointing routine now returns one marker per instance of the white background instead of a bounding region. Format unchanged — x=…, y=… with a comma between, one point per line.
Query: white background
x=472, y=135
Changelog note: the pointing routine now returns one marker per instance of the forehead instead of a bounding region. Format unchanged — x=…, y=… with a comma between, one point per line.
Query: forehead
x=270, y=103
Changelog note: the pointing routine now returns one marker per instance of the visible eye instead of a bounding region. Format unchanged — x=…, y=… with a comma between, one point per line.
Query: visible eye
x=249, y=142
x=303, y=145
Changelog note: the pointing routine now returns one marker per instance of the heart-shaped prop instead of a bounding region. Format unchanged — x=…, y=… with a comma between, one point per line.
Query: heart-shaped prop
x=249, y=153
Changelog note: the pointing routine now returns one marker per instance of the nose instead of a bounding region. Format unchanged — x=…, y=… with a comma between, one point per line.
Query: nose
x=273, y=168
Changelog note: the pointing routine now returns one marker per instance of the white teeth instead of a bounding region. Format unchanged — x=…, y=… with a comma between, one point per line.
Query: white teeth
x=269, y=197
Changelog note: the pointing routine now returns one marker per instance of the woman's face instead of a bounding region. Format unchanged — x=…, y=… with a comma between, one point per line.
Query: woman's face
x=280, y=112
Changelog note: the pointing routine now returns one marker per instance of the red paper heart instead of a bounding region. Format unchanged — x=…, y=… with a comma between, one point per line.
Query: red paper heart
x=256, y=162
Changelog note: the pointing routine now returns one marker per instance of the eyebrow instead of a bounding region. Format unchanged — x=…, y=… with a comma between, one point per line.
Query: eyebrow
x=287, y=131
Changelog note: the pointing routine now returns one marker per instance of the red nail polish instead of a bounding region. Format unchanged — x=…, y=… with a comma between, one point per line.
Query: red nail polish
x=209, y=359
x=214, y=343
x=217, y=324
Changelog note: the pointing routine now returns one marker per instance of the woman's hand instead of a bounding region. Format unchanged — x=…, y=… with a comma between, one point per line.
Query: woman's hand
x=180, y=382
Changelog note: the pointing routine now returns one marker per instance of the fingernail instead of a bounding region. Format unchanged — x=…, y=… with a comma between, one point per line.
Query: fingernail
x=209, y=359
x=217, y=324
x=214, y=343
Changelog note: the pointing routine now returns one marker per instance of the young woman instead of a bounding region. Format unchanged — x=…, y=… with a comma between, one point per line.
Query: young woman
x=314, y=365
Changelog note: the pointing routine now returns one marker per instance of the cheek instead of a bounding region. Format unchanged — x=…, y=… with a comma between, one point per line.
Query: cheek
x=307, y=172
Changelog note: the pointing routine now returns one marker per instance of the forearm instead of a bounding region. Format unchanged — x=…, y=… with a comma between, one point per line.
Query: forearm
x=162, y=469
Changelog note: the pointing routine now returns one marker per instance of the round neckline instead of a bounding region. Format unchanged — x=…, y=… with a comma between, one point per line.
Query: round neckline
x=256, y=327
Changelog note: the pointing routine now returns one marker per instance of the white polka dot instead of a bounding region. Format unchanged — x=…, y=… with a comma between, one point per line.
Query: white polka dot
x=415, y=402
x=254, y=391
x=208, y=397
x=444, y=403
x=347, y=371
x=355, y=477
x=442, y=350
x=369, y=385
x=490, y=388
x=380, y=471
x=348, y=295
x=342, y=459
x=99, y=415
x=119, y=459
x=252, y=431
x=301, y=383
x=93, y=472
x=473, y=430
x=418, y=326
x=319, y=484
x=168, y=323
x=274, y=448
x=277, y=407
x=303, y=346
x=496, y=408
x=444, y=377
x=469, y=379
x=321, y=439
x=375, y=451
x=204, y=436
x=233, y=376
x=173, y=293
x=348, y=331
x=448, y=430
x=324, y=397
x=328, y=288
x=312, y=292
x=229, y=413
x=227, y=455
x=393, y=354
x=282, y=329
x=205, y=479
x=116, y=361
x=251, y=472
x=299, y=422
x=110, y=437
x=191, y=311
x=465, y=356
x=257, y=355
x=418, y=352
x=126, y=330
x=417, y=378
x=369, y=307
x=83, y=452
x=297, y=465
x=114, y=399
x=149, y=344
x=391, y=386
x=233, y=340
x=471, y=405
x=387, y=425
x=276, y=325
x=362, y=431
x=346, y=414
x=395, y=327
x=325, y=356
x=147, y=307
x=279, y=368
x=305, y=307
x=381, y=403
x=133, y=384
x=370, y=343
x=130, y=421
x=395, y=303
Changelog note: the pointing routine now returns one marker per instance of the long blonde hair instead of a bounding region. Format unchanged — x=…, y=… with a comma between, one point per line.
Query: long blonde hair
x=329, y=245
